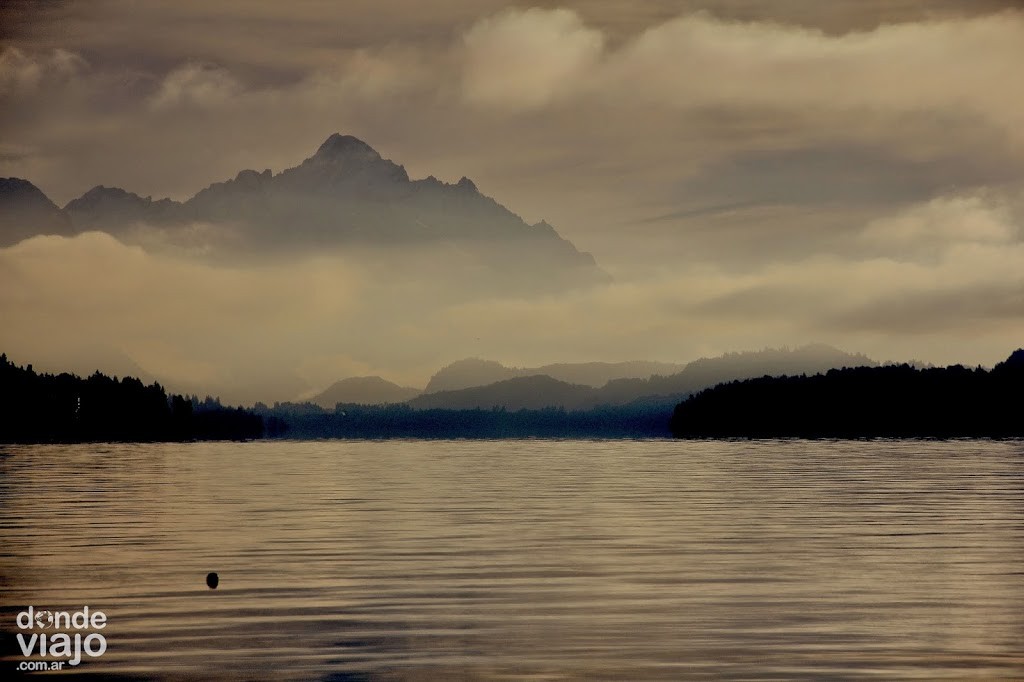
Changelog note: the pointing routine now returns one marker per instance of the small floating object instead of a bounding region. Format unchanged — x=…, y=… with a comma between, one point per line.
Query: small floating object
x=212, y=581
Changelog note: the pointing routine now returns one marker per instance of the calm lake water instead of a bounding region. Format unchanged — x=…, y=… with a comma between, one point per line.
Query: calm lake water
x=524, y=560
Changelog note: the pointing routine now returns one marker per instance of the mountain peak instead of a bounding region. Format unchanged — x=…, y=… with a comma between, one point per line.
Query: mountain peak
x=544, y=226
x=339, y=146
x=108, y=196
x=25, y=211
x=364, y=391
x=343, y=160
x=14, y=186
x=1014, y=362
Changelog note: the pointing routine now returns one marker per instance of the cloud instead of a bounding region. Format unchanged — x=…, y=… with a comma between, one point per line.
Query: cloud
x=21, y=73
x=532, y=58
x=585, y=122
x=948, y=268
x=189, y=323
x=697, y=61
x=940, y=281
x=527, y=59
x=199, y=85
x=945, y=223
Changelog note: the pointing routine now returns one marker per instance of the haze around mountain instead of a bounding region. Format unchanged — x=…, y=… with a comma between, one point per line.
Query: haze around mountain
x=745, y=174
x=344, y=197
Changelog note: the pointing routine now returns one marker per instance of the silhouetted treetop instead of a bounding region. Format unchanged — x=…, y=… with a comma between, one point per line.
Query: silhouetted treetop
x=892, y=401
x=66, y=408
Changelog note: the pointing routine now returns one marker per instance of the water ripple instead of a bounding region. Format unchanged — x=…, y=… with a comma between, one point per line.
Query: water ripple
x=527, y=560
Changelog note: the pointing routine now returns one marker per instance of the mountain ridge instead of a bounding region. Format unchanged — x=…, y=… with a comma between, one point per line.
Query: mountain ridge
x=369, y=390
x=518, y=393
x=25, y=211
x=656, y=389
x=346, y=194
x=472, y=372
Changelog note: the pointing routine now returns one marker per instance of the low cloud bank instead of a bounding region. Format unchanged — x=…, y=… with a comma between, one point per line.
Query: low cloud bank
x=940, y=281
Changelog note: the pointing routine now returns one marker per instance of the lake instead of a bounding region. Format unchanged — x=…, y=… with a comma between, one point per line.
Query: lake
x=522, y=560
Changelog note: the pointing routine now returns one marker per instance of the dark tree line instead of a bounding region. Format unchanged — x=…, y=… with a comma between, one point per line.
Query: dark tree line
x=401, y=421
x=40, y=408
x=864, y=402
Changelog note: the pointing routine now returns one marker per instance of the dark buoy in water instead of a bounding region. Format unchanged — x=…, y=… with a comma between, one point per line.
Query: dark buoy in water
x=212, y=581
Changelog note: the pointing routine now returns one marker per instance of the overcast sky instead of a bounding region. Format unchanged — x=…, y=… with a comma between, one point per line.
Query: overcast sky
x=752, y=172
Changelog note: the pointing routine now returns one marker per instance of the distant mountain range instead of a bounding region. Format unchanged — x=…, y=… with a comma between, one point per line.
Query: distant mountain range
x=892, y=401
x=532, y=392
x=477, y=372
x=705, y=372
x=476, y=383
x=346, y=194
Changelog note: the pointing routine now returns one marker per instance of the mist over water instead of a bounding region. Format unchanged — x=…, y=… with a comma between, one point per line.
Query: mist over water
x=407, y=560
